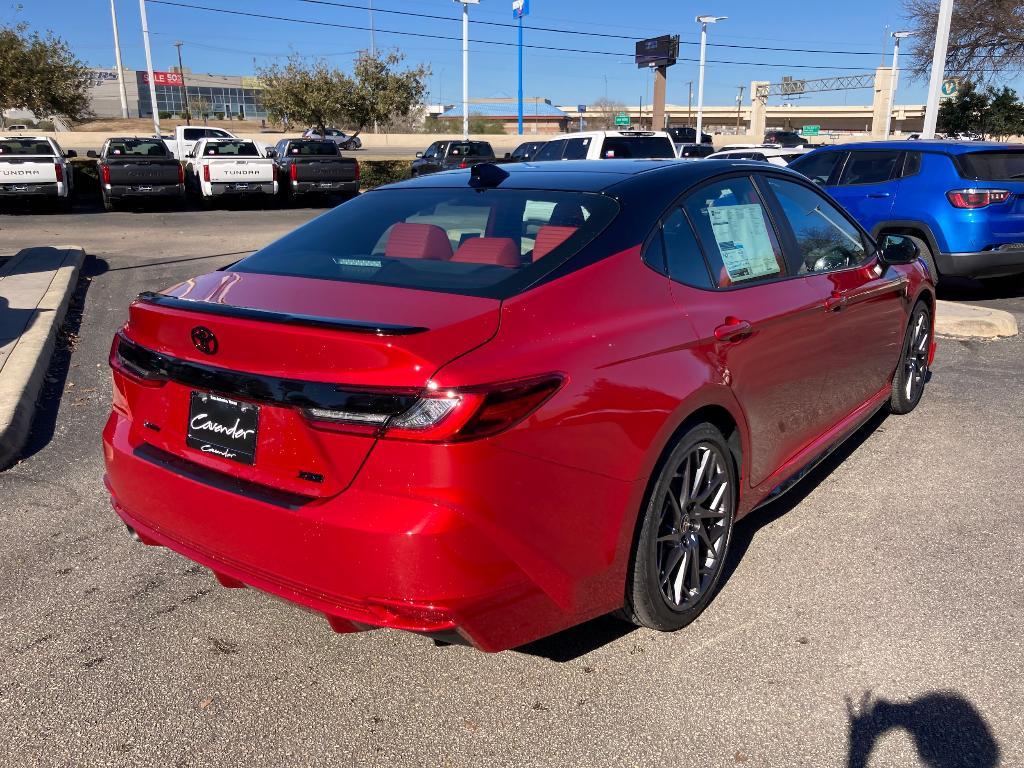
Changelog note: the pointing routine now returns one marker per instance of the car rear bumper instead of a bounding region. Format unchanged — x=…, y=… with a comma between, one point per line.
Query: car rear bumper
x=118, y=191
x=49, y=189
x=218, y=189
x=322, y=187
x=372, y=556
x=992, y=263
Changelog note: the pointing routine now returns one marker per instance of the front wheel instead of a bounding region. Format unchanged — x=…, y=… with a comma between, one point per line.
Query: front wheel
x=912, y=372
x=685, y=531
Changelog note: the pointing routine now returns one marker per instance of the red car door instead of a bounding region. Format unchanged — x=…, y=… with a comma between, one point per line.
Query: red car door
x=759, y=326
x=863, y=303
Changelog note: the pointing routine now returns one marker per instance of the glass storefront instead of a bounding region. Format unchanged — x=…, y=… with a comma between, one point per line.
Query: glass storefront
x=238, y=101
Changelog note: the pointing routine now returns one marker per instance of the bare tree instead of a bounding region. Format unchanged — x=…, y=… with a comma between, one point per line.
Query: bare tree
x=986, y=39
x=601, y=114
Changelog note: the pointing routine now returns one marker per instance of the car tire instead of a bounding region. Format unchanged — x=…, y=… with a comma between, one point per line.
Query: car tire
x=685, y=528
x=912, y=370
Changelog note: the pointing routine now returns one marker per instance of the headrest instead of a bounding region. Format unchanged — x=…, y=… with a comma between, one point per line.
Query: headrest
x=501, y=251
x=550, y=237
x=418, y=241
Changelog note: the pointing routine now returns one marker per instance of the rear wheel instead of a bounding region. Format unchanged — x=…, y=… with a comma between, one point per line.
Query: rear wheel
x=912, y=371
x=685, y=532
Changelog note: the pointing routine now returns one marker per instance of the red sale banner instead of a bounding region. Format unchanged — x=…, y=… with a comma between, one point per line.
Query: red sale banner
x=164, y=78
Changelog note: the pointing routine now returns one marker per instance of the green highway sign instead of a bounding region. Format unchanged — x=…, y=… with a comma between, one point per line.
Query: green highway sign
x=810, y=130
x=622, y=119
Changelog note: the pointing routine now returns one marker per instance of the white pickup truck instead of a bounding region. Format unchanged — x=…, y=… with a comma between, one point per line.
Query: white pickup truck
x=186, y=136
x=229, y=167
x=35, y=166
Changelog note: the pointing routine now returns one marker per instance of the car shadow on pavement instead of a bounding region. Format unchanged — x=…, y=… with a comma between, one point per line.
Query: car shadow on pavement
x=54, y=391
x=948, y=731
x=579, y=640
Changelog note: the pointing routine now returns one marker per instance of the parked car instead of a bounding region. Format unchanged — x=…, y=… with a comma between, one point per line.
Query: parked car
x=218, y=168
x=447, y=155
x=184, y=139
x=784, y=138
x=17, y=127
x=488, y=405
x=685, y=134
x=36, y=167
x=774, y=155
x=314, y=166
x=524, y=152
x=961, y=202
x=134, y=168
x=608, y=145
x=339, y=137
x=695, y=151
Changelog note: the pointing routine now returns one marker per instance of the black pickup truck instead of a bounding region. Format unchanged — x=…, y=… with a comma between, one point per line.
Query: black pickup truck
x=138, y=168
x=314, y=166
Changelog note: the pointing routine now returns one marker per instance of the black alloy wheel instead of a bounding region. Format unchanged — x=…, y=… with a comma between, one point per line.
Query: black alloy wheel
x=912, y=372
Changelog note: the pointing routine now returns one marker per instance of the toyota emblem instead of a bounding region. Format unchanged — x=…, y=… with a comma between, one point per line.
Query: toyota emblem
x=204, y=340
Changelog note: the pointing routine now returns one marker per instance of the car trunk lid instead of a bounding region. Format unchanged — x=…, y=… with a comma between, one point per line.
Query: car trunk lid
x=252, y=170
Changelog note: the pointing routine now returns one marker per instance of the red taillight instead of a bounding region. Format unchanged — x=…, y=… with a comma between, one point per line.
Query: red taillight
x=181, y=173
x=105, y=174
x=463, y=164
x=206, y=173
x=357, y=170
x=59, y=171
x=126, y=367
x=294, y=172
x=448, y=415
x=976, y=198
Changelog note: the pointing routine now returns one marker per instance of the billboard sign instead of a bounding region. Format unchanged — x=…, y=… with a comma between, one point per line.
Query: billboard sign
x=657, y=51
x=810, y=130
x=172, y=79
x=520, y=8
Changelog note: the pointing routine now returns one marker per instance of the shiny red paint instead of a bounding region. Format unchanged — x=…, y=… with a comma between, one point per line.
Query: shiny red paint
x=512, y=537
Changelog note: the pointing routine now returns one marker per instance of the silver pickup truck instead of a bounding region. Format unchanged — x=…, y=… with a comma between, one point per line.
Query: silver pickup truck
x=35, y=167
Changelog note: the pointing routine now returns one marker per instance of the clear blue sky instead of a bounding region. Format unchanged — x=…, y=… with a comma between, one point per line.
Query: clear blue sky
x=227, y=44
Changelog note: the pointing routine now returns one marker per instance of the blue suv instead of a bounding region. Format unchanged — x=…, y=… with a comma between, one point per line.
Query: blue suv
x=962, y=202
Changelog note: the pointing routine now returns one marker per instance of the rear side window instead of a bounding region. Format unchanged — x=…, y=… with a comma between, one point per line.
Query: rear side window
x=738, y=238
x=683, y=257
x=911, y=163
x=576, y=149
x=825, y=239
x=869, y=168
x=452, y=240
x=818, y=166
x=231, y=149
x=551, y=151
x=615, y=147
x=194, y=134
x=1001, y=165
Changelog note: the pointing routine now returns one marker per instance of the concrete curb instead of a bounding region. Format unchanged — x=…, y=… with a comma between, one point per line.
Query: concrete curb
x=966, y=321
x=21, y=378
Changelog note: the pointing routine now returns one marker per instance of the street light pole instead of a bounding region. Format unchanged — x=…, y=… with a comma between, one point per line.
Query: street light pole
x=895, y=80
x=117, y=61
x=465, y=64
x=931, y=113
x=703, y=21
x=149, y=69
x=184, y=88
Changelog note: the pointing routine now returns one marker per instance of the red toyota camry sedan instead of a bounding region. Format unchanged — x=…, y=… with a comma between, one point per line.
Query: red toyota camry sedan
x=488, y=405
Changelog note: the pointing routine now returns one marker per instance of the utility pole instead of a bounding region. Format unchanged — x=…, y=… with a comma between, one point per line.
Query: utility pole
x=184, y=87
x=689, y=107
x=149, y=68
x=703, y=21
x=465, y=64
x=117, y=61
x=895, y=80
x=931, y=113
x=373, y=42
x=739, y=105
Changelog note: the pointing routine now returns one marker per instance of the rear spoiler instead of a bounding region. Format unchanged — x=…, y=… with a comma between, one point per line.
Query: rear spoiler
x=285, y=318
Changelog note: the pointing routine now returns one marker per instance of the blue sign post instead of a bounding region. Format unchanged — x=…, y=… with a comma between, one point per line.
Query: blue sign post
x=520, y=8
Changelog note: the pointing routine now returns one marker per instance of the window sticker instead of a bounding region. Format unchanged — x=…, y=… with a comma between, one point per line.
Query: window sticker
x=743, y=241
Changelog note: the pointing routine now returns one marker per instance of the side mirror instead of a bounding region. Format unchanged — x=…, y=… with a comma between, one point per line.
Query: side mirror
x=271, y=153
x=899, y=249
x=70, y=153
x=92, y=153
x=419, y=155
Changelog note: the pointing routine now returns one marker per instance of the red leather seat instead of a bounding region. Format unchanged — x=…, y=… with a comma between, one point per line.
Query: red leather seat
x=418, y=241
x=550, y=237
x=500, y=251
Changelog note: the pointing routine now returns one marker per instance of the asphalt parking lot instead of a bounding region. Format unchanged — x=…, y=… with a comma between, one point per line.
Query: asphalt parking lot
x=870, y=617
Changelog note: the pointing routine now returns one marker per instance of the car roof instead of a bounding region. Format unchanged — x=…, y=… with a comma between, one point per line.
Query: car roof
x=26, y=138
x=947, y=146
x=766, y=151
x=593, y=175
x=605, y=134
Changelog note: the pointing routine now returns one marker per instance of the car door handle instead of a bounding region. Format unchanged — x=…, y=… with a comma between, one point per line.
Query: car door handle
x=733, y=329
x=879, y=194
x=836, y=301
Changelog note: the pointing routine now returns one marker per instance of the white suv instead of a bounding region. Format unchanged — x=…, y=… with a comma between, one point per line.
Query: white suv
x=773, y=154
x=608, y=145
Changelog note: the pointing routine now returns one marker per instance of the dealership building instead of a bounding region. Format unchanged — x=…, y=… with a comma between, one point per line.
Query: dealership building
x=237, y=95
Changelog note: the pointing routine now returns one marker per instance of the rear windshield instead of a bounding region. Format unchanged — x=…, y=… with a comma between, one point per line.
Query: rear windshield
x=138, y=148
x=480, y=243
x=637, y=146
x=25, y=147
x=313, y=148
x=470, y=149
x=1000, y=165
x=232, y=149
